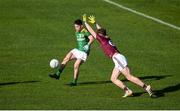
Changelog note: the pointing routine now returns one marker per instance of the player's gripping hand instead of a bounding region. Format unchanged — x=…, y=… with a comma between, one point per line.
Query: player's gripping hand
x=84, y=18
x=86, y=47
x=92, y=19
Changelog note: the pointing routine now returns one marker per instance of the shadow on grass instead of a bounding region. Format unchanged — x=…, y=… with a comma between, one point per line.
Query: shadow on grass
x=14, y=83
x=155, y=77
x=91, y=83
x=162, y=92
x=159, y=93
x=106, y=82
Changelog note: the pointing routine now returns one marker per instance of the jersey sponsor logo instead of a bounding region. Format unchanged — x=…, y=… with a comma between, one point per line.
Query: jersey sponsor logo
x=80, y=37
x=110, y=43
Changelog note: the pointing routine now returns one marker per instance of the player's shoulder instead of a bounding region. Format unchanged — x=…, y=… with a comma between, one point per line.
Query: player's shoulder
x=100, y=36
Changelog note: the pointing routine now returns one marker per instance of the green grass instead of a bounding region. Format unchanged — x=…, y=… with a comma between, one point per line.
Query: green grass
x=32, y=32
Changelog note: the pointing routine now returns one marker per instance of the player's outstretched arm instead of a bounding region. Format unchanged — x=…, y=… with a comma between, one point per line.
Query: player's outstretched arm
x=97, y=26
x=89, y=28
x=92, y=20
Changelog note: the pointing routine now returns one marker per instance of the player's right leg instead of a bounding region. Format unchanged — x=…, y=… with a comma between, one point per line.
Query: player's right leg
x=137, y=81
x=117, y=82
x=80, y=58
x=77, y=65
x=66, y=59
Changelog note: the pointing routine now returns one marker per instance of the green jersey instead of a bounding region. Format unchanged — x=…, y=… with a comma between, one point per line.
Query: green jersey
x=82, y=39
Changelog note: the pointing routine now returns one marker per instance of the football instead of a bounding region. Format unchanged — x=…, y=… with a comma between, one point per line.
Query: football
x=54, y=63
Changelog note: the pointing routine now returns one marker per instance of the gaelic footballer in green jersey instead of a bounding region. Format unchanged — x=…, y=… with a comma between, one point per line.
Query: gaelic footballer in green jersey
x=79, y=54
x=82, y=40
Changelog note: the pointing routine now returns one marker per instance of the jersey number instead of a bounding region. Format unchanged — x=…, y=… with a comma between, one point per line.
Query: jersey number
x=110, y=43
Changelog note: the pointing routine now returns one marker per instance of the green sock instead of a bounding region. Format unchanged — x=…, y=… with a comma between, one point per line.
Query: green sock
x=61, y=68
x=75, y=80
x=58, y=73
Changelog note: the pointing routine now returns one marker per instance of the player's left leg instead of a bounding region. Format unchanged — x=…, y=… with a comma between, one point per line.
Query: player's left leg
x=70, y=56
x=66, y=59
x=77, y=65
x=120, y=84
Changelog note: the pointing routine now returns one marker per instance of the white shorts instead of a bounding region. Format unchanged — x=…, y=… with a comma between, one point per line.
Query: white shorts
x=79, y=54
x=119, y=61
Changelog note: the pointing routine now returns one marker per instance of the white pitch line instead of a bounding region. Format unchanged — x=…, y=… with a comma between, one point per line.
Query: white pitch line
x=142, y=14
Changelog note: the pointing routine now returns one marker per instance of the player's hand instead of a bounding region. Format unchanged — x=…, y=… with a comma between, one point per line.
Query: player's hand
x=92, y=19
x=84, y=17
x=86, y=47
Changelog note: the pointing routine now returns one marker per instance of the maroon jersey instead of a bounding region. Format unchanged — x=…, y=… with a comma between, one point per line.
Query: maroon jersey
x=107, y=46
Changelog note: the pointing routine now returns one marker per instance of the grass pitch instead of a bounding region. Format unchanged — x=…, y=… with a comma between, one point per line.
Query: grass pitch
x=32, y=32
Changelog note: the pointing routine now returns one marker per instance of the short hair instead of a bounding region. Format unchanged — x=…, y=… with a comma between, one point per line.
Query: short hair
x=78, y=22
x=102, y=31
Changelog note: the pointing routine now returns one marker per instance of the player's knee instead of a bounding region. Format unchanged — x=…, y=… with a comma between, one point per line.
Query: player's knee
x=113, y=79
x=76, y=66
x=129, y=77
x=66, y=59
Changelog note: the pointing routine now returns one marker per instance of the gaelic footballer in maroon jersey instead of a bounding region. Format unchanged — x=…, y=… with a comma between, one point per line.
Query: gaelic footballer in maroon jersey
x=119, y=60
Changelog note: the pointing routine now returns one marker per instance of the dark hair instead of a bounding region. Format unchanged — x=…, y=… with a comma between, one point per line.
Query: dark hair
x=78, y=22
x=102, y=31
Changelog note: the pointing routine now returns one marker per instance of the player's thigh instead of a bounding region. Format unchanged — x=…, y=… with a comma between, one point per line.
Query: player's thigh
x=69, y=56
x=78, y=62
x=126, y=72
x=72, y=57
x=115, y=73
